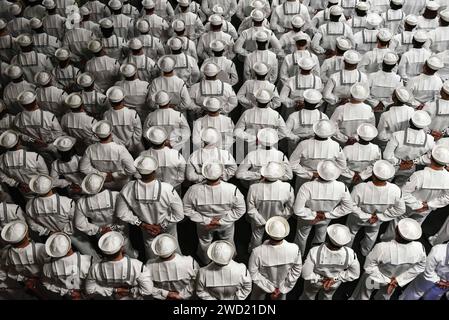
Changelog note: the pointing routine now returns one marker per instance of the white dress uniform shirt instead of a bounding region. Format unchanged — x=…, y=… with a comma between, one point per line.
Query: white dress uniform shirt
x=146, y=67
x=228, y=72
x=45, y=43
x=194, y=7
x=424, y=88
x=288, y=44
x=105, y=71
x=54, y=25
x=393, y=19
x=123, y=25
x=66, y=274
x=249, y=168
x=443, y=73
x=349, y=117
x=109, y=157
x=172, y=165
x=51, y=99
x=414, y=7
x=294, y=87
x=214, y=88
x=330, y=197
x=437, y=269
x=222, y=123
x=372, y=60
x=409, y=144
x=230, y=282
x=65, y=78
x=174, y=123
x=136, y=95
x=158, y=26
x=360, y=159
x=61, y=6
x=32, y=62
x=114, y=46
x=385, y=202
x=427, y=24
x=177, y=274
x=79, y=125
x=264, y=200
x=247, y=93
x=365, y=40
x=246, y=43
x=186, y=67
x=326, y=35
x=38, y=124
x=281, y=17
x=95, y=102
x=387, y=260
x=265, y=56
x=402, y=42
x=244, y=8
x=396, y=118
x=274, y=266
x=49, y=214
x=154, y=202
x=97, y=10
x=91, y=26
x=427, y=185
x=193, y=25
x=357, y=23
x=175, y=87
x=255, y=119
x=188, y=47
x=290, y=65
x=66, y=173
x=439, y=39
x=10, y=212
x=12, y=90
x=153, y=47
x=6, y=122
x=204, y=202
x=19, y=25
x=300, y=122
x=381, y=87
x=210, y=153
x=229, y=8
x=322, y=17
x=304, y=160
x=76, y=41
x=21, y=264
x=19, y=166
x=203, y=48
x=412, y=62
x=340, y=265
x=340, y=83
x=130, y=273
x=8, y=47
x=226, y=27
x=164, y=9
x=248, y=23
x=439, y=112
x=126, y=127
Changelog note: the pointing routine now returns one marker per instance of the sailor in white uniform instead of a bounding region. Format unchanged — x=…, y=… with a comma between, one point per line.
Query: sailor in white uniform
x=329, y=265
x=392, y=264
x=150, y=204
x=413, y=59
x=64, y=276
x=318, y=202
x=174, y=275
x=172, y=165
x=108, y=158
x=271, y=197
x=410, y=146
x=275, y=265
x=117, y=276
x=361, y=155
x=95, y=212
x=377, y=201
x=214, y=206
x=50, y=97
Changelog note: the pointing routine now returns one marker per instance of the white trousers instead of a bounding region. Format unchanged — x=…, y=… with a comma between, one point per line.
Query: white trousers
x=303, y=230
x=422, y=288
x=206, y=237
x=311, y=290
